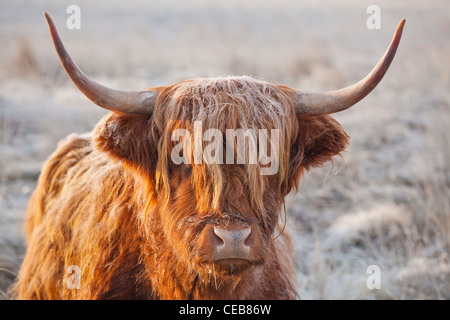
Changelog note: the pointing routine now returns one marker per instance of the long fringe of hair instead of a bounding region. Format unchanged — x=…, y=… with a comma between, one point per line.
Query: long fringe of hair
x=224, y=103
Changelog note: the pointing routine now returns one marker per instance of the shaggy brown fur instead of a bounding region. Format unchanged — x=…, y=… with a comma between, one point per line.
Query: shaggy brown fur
x=114, y=204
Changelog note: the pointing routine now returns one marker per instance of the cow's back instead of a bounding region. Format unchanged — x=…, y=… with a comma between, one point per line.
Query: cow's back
x=54, y=176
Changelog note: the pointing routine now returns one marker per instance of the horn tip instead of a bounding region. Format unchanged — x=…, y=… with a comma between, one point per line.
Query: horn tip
x=401, y=25
x=398, y=33
x=48, y=18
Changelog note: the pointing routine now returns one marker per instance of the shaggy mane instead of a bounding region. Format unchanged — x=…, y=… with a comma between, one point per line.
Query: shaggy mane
x=225, y=103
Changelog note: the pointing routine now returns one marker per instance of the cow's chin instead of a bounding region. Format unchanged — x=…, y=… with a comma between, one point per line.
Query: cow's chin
x=228, y=267
x=233, y=266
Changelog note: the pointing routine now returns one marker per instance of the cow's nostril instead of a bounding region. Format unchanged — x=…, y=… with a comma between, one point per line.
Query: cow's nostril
x=217, y=239
x=249, y=240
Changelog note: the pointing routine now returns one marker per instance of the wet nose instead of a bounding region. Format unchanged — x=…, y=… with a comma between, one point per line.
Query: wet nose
x=233, y=243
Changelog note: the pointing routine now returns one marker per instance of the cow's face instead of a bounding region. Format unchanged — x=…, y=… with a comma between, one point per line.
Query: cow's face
x=219, y=208
x=224, y=240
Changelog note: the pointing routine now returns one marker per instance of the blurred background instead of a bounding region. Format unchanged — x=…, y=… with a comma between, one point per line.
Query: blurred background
x=385, y=204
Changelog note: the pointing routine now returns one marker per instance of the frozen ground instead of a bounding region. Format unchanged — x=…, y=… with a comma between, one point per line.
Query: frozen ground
x=387, y=204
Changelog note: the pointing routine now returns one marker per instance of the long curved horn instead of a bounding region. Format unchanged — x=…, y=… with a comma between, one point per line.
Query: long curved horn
x=338, y=100
x=140, y=102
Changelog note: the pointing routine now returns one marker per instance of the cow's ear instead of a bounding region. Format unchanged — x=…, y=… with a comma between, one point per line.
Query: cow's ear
x=128, y=138
x=319, y=139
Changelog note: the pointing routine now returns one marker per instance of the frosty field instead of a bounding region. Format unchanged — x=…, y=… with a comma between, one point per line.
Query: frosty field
x=384, y=206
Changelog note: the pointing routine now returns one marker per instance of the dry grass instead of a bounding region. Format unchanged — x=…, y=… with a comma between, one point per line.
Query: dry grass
x=387, y=205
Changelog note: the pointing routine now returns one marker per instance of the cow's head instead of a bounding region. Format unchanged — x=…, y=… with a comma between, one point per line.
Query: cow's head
x=218, y=209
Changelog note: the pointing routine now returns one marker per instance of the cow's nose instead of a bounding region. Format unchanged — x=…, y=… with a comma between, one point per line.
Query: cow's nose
x=232, y=243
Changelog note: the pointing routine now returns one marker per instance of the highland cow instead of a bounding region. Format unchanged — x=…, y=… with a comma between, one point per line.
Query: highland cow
x=113, y=217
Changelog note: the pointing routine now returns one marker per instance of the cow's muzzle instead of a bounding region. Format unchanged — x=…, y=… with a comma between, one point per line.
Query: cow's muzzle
x=231, y=245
